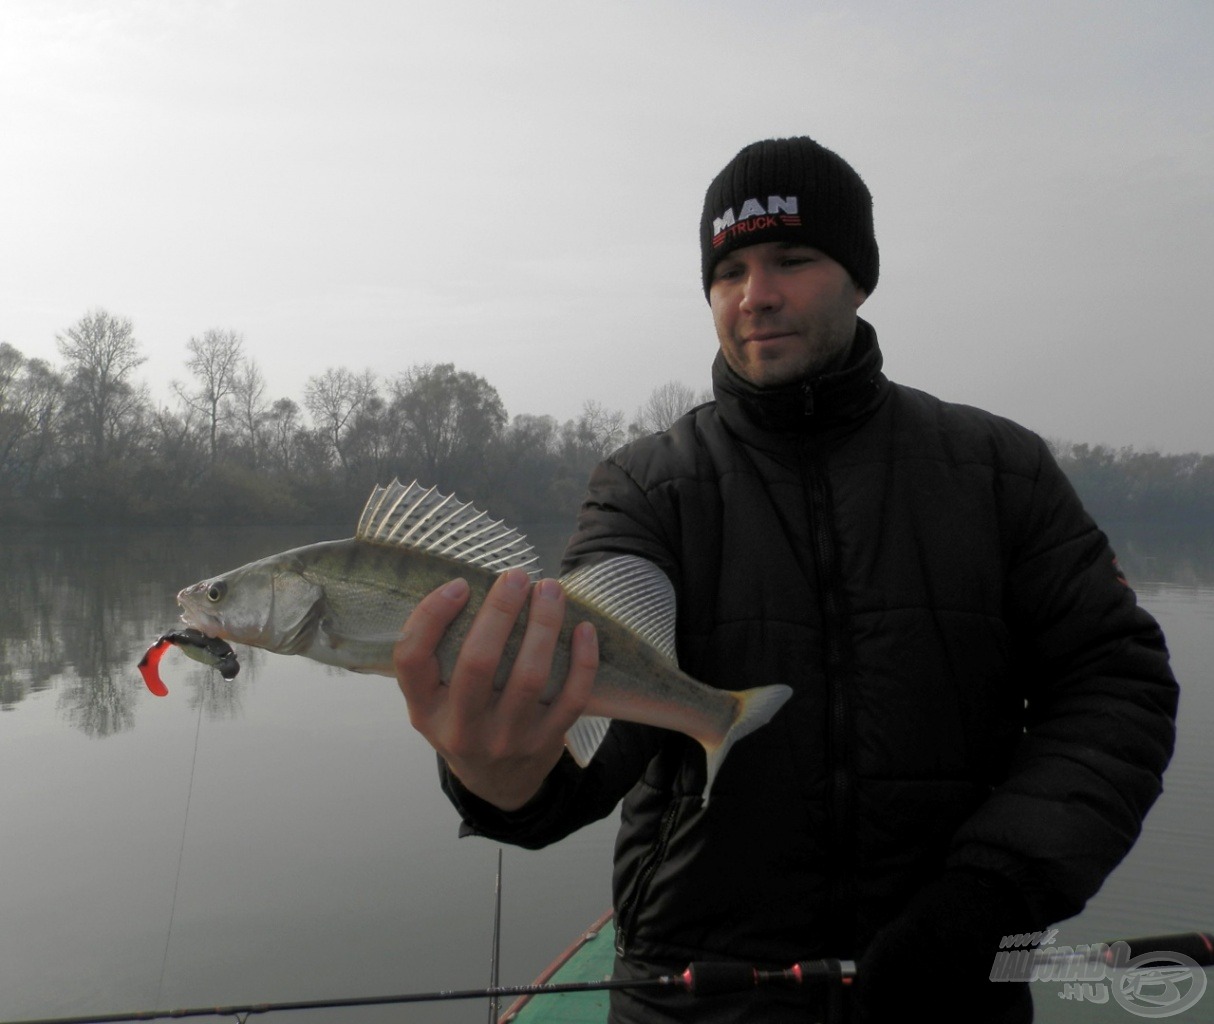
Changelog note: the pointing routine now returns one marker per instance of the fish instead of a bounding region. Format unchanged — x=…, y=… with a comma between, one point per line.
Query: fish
x=209, y=650
x=344, y=603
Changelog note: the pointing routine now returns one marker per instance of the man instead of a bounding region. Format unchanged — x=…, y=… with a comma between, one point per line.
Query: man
x=981, y=715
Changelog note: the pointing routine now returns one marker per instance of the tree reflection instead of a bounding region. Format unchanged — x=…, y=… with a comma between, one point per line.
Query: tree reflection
x=1164, y=556
x=99, y=705
x=77, y=611
x=219, y=697
x=31, y=653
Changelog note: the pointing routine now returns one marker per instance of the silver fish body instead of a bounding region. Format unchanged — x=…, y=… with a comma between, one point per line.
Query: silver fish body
x=344, y=602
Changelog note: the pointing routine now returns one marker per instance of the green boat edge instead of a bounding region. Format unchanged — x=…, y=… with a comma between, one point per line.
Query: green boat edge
x=590, y=957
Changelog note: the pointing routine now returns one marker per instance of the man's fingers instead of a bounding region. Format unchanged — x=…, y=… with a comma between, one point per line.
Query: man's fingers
x=480, y=656
x=570, y=705
x=417, y=670
x=501, y=746
x=470, y=692
x=532, y=667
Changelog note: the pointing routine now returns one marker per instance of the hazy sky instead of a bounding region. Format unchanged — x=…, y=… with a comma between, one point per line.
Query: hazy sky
x=515, y=187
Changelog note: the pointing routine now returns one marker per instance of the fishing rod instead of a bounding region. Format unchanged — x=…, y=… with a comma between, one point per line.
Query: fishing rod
x=443, y=995
x=699, y=979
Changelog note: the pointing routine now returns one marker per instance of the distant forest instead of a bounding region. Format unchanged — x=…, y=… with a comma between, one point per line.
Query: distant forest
x=84, y=443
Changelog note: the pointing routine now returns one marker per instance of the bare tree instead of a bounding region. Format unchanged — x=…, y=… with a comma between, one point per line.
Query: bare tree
x=43, y=388
x=11, y=361
x=284, y=425
x=251, y=407
x=30, y=395
x=666, y=403
x=177, y=445
x=597, y=432
x=101, y=353
x=335, y=399
x=215, y=362
x=14, y=420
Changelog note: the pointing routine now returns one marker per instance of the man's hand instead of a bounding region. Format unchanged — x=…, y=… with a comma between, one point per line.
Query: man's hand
x=500, y=744
x=934, y=960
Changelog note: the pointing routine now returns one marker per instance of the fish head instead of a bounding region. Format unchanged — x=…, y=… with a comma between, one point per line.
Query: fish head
x=269, y=604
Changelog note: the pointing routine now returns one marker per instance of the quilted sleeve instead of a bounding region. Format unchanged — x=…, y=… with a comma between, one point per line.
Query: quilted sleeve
x=1100, y=707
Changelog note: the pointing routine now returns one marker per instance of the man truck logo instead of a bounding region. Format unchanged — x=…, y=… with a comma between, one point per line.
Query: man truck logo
x=778, y=211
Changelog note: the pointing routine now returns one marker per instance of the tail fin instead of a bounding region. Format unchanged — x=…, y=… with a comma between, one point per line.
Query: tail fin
x=755, y=709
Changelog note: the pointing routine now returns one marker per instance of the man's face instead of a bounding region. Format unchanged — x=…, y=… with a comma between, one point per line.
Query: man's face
x=782, y=311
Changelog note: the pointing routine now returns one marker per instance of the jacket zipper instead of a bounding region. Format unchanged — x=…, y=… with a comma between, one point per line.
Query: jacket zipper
x=626, y=916
x=842, y=882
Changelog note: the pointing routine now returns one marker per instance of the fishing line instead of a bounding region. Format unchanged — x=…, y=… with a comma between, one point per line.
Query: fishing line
x=495, y=951
x=164, y=960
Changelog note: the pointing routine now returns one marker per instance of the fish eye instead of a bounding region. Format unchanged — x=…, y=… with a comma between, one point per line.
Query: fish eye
x=216, y=591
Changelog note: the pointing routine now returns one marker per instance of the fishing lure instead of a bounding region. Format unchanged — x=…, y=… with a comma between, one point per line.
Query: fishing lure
x=210, y=650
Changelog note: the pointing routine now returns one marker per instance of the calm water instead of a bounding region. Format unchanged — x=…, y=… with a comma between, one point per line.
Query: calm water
x=283, y=837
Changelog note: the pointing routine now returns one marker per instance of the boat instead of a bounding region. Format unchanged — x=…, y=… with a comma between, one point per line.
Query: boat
x=589, y=958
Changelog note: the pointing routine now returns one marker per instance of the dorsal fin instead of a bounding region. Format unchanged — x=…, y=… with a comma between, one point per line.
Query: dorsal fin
x=632, y=590
x=636, y=593
x=422, y=518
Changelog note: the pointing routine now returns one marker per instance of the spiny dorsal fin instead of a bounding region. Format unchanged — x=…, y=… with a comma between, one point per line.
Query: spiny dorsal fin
x=632, y=590
x=636, y=593
x=422, y=518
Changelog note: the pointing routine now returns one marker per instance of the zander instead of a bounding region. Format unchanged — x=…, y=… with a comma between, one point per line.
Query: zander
x=344, y=603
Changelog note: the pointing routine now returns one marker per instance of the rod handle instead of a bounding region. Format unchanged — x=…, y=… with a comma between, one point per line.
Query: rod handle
x=711, y=978
x=1198, y=946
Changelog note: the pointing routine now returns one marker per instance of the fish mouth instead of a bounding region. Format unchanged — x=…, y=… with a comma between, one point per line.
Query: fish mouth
x=205, y=625
x=195, y=618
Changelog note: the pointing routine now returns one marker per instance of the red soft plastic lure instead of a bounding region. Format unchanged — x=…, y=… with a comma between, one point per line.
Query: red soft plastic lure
x=210, y=650
x=149, y=667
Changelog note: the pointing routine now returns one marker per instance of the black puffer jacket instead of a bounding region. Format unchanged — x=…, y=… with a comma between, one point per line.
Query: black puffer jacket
x=975, y=686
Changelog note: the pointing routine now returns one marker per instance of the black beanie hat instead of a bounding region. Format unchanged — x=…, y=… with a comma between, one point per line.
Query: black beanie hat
x=790, y=190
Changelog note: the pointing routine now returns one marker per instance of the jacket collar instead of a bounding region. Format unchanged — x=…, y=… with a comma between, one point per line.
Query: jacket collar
x=816, y=403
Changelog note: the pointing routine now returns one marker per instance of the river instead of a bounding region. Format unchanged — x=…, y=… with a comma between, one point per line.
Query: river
x=282, y=837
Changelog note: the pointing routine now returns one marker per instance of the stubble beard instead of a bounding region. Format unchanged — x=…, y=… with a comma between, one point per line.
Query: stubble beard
x=824, y=348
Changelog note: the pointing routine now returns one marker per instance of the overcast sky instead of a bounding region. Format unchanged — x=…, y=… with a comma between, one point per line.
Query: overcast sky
x=515, y=187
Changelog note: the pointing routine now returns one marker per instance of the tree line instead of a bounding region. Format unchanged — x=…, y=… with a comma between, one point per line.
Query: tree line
x=1126, y=485
x=83, y=442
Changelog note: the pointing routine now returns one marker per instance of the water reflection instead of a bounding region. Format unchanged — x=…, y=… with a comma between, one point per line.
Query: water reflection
x=1178, y=556
x=305, y=851
x=77, y=611
x=29, y=654
x=190, y=861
